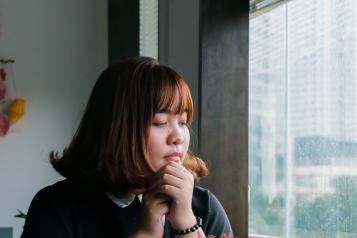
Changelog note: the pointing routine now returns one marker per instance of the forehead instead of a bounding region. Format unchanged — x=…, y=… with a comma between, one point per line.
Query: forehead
x=175, y=101
x=169, y=112
x=171, y=102
x=168, y=92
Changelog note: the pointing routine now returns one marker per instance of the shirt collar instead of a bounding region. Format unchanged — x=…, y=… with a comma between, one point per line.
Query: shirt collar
x=124, y=202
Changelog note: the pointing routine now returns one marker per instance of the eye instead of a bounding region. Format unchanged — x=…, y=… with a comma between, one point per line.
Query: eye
x=159, y=124
x=182, y=123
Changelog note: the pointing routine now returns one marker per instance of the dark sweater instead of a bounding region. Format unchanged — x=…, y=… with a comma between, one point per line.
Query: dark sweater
x=69, y=210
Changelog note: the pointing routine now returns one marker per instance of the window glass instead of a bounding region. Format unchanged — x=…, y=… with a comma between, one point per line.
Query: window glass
x=148, y=28
x=303, y=119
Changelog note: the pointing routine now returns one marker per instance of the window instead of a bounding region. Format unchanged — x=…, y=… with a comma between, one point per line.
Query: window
x=148, y=28
x=303, y=128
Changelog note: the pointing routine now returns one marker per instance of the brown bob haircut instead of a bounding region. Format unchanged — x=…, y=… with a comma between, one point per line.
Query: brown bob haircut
x=109, y=147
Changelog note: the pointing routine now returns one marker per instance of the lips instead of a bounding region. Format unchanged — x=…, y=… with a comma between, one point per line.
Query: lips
x=175, y=156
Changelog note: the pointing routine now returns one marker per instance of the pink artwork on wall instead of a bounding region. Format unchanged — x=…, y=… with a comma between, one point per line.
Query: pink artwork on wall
x=12, y=107
x=2, y=74
x=4, y=125
x=3, y=91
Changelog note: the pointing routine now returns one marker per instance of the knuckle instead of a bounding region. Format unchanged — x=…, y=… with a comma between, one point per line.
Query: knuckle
x=166, y=188
x=165, y=176
x=167, y=166
x=192, y=179
x=171, y=163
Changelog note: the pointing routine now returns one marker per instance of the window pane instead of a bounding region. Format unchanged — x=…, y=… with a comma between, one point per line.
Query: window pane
x=149, y=28
x=267, y=120
x=303, y=120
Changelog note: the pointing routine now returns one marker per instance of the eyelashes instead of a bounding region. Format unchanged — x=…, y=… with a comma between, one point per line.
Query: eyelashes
x=166, y=119
x=163, y=124
x=159, y=124
x=183, y=123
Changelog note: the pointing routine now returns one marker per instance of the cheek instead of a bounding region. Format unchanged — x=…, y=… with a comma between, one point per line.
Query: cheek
x=157, y=144
x=154, y=142
x=186, y=136
x=154, y=148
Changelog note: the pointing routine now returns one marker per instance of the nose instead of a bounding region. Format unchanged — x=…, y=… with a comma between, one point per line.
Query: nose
x=175, y=137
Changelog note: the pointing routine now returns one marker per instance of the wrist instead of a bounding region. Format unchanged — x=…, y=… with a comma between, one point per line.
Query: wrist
x=184, y=222
x=197, y=234
x=144, y=232
x=140, y=234
x=192, y=231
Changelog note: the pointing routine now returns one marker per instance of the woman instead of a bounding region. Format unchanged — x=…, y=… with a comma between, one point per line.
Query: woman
x=128, y=169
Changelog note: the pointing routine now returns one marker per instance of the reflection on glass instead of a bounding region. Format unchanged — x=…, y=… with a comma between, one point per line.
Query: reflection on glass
x=303, y=120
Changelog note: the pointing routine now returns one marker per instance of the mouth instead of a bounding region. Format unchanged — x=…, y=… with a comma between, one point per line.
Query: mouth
x=176, y=157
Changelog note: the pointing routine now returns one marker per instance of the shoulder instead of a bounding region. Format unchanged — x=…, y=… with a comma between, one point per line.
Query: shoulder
x=56, y=192
x=66, y=195
x=204, y=199
x=206, y=205
x=201, y=196
x=64, y=198
x=59, y=208
x=48, y=212
x=60, y=186
x=57, y=198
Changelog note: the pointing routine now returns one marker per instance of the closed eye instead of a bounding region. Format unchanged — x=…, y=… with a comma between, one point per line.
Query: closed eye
x=159, y=124
x=183, y=123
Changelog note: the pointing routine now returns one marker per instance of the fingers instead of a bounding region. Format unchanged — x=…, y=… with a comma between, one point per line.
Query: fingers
x=169, y=190
x=154, y=206
x=173, y=180
x=173, y=176
x=156, y=202
x=174, y=169
x=168, y=179
x=153, y=197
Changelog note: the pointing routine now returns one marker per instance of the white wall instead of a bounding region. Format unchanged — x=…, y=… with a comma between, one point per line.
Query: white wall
x=60, y=47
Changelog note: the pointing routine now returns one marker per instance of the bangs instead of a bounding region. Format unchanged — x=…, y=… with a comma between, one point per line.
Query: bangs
x=172, y=93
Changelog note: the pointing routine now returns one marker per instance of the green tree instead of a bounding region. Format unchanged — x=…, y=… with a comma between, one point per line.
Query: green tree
x=336, y=213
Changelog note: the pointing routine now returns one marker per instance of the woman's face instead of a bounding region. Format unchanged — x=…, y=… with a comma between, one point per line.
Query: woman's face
x=169, y=139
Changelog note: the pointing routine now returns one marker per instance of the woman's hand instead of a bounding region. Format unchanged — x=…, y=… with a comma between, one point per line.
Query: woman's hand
x=176, y=182
x=154, y=206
